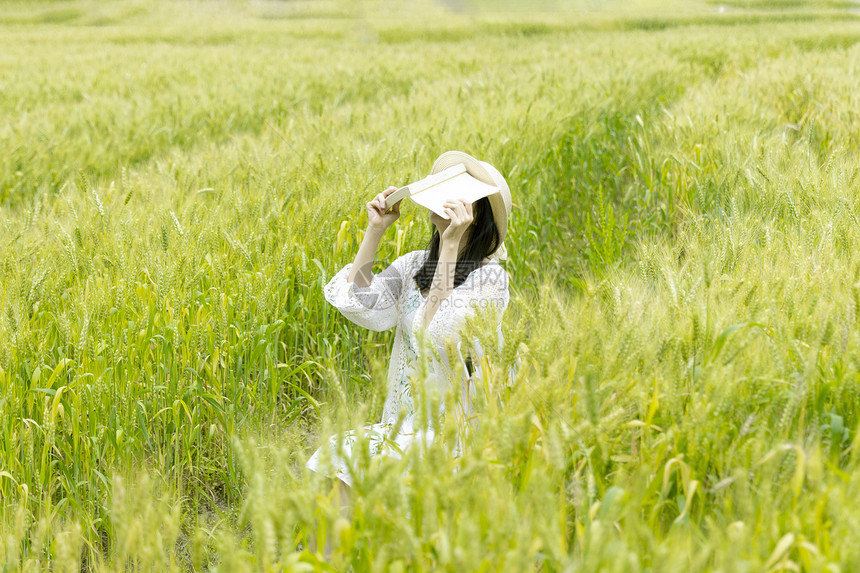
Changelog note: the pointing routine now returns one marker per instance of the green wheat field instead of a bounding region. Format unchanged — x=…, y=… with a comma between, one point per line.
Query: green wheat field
x=679, y=386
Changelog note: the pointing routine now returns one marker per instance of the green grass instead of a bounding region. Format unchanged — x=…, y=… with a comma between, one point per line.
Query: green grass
x=178, y=181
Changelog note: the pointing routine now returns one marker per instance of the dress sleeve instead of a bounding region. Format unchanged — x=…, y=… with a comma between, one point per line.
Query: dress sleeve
x=375, y=306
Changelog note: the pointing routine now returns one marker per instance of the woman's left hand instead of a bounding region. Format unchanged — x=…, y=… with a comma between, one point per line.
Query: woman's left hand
x=461, y=216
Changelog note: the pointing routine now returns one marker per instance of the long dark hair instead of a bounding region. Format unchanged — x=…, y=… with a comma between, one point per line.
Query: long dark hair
x=484, y=240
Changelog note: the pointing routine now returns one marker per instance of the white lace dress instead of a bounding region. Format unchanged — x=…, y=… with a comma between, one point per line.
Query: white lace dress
x=392, y=300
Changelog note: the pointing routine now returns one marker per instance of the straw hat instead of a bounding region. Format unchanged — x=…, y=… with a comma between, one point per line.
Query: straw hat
x=483, y=171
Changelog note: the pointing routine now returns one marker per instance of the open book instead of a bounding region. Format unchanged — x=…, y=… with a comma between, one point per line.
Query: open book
x=432, y=191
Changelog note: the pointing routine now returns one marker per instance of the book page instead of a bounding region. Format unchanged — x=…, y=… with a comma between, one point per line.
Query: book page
x=462, y=186
x=423, y=184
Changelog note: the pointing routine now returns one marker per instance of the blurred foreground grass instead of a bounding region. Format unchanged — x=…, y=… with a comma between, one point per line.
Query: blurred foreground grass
x=179, y=180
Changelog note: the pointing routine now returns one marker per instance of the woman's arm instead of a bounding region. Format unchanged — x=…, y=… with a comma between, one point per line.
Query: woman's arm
x=378, y=222
x=366, y=299
x=461, y=217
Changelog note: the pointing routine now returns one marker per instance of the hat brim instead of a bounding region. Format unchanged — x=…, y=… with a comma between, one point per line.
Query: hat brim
x=476, y=170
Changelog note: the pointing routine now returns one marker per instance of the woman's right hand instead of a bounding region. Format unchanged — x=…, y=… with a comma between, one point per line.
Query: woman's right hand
x=378, y=217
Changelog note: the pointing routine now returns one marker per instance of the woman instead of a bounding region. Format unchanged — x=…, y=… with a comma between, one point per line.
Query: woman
x=427, y=295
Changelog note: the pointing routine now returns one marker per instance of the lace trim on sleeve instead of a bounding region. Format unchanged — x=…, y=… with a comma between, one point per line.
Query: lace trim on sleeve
x=377, y=305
